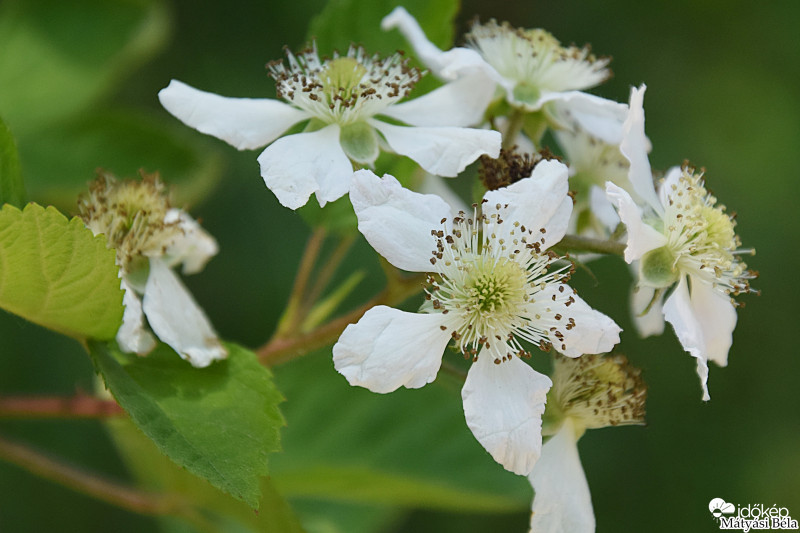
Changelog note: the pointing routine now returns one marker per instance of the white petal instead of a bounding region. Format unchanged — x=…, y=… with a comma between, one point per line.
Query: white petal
x=503, y=405
x=599, y=117
x=193, y=246
x=460, y=103
x=245, y=123
x=652, y=322
x=593, y=332
x=641, y=237
x=634, y=147
x=444, y=151
x=717, y=317
x=132, y=335
x=449, y=65
x=177, y=319
x=562, y=503
x=296, y=166
x=603, y=209
x=389, y=348
x=538, y=202
x=397, y=222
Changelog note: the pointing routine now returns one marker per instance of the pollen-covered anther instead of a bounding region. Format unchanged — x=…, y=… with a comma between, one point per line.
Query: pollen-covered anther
x=131, y=214
x=344, y=89
x=599, y=391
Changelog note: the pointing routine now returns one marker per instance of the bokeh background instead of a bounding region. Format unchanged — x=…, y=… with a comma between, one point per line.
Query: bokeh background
x=723, y=93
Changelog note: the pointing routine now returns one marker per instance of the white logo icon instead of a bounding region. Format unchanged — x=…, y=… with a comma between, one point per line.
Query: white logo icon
x=718, y=507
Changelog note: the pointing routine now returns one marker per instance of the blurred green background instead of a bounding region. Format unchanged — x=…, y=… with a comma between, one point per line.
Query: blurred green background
x=723, y=93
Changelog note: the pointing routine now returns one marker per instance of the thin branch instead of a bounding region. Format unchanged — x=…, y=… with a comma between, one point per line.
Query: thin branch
x=291, y=316
x=137, y=501
x=280, y=350
x=78, y=406
x=326, y=273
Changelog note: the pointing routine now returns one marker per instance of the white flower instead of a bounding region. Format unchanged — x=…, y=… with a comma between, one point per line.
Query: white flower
x=531, y=68
x=490, y=286
x=150, y=237
x=340, y=98
x=588, y=392
x=682, y=240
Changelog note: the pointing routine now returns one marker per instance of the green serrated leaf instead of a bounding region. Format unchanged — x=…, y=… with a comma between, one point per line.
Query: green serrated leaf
x=55, y=273
x=61, y=160
x=57, y=57
x=12, y=188
x=219, y=422
x=343, y=22
x=216, y=509
x=408, y=448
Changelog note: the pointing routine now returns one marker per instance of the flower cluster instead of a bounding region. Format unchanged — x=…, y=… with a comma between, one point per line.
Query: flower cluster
x=496, y=274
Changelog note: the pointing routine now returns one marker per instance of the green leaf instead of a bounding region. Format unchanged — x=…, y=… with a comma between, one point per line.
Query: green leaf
x=214, y=509
x=408, y=448
x=55, y=273
x=219, y=422
x=343, y=22
x=12, y=188
x=61, y=160
x=57, y=57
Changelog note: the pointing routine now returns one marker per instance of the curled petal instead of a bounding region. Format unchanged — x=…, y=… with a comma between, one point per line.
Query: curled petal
x=397, y=222
x=503, y=405
x=460, y=103
x=245, y=123
x=133, y=335
x=539, y=202
x=634, y=147
x=562, y=503
x=193, y=246
x=444, y=151
x=641, y=237
x=703, y=321
x=296, y=166
x=389, y=348
x=449, y=65
x=593, y=331
x=177, y=319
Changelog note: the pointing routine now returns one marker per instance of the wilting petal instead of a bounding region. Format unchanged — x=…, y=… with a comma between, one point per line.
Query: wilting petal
x=389, y=348
x=444, y=151
x=538, y=202
x=245, y=123
x=460, y=103
x=193, y=246
x=652, y=322
x=599, y=117
x=641, y=237
x=634, y=147
x=397, y=222
x=177, y=319
x=503, y=405
x=593, y=332
x=295, y=166
x=132, y=335
x=562, y=502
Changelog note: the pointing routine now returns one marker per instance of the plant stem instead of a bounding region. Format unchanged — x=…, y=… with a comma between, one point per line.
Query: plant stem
x=78, y=406
x=137, y=501
x=513, y=128
x=291, y=316
x=279, y=350
x=573, y=243
x=326, y=273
